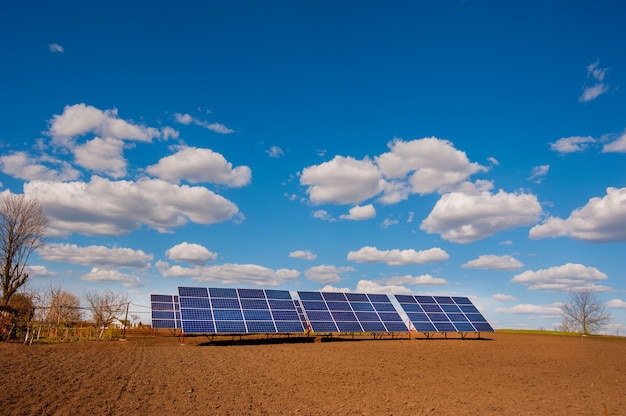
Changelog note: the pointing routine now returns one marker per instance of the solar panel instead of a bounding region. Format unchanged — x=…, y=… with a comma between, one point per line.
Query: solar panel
x=238, y=311
x=165, y=311
x=350, y=312
x=443, y=314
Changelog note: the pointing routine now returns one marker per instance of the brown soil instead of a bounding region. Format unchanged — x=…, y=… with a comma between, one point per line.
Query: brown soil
x=510, y=374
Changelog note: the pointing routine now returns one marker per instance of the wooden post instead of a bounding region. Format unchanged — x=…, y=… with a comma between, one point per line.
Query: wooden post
x=125, y=321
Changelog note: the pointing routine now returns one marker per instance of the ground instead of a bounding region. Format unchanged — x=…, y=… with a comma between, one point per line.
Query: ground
x=507, y=374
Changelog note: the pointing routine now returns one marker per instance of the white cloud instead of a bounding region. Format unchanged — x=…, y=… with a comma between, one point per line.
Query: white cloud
x=464, y=218
x=388, y=222
x=419, y=166
x=343, y=180
x=303, y=254
x=617, y=145
x=493, y=262
x=330, y=288
x=358, y=213
x=326, y=273
x=104, y=207
x=616, y=303
x=40, y=271
x=231, y=274
x=102, y=156
x=98, y=275
x=20, y=165
x=568, y=277
x=538, y=173
x=433, y=164
x=423, y=280
x=80, y=119
x=322, y=214
x=187, y=119
x=190, y=253
x=501, y=297
x=183, y=118
x=368, y=286
x=196, y=165
x=275, y=152
x=572, y=144
x=397, y=257
x=594, y=91
x=601, y=220
x=96, y=256
x=524, y=308
x=55, y=47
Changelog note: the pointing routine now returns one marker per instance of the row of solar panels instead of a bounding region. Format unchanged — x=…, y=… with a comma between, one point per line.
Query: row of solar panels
x=224, y=310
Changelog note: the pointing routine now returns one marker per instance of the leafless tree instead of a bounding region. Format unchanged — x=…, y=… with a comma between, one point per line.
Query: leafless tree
x=585, y=313
x=105, y=307
x=23, y=224
x=64, y=308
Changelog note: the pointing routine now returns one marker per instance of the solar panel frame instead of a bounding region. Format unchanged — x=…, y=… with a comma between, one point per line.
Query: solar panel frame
x=232, y=310
x=443, y=314
x=350, y=312
x=165, y=311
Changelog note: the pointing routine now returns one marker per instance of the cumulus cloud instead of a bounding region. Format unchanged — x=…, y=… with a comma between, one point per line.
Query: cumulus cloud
x=616, y=303
x=397, y=257
x=196, y=165
x=103, y=156
x=601, y=220
x=493, y=262
x=303, y=254
x=568, y=277
x=358, y=213
x=231, y=274
x=22, y=166
x=596, y=75
x=368, y=286
x=55, y=47
x=419, y=166
x=40, y=271
x=80, y=119
x=524, y=308
x=501, y=297
x=423, y=280
x=98, y=275
x=190, y=253
x=464, y=218
x=431, y=164
x=343, y=180
x=104, y=207
x=275, y=152
x=214, y=127
x=326, y=273
x=96, y=256
x=572, y=144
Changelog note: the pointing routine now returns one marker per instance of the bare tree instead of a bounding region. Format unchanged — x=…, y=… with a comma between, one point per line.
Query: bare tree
x=64, y=308
x=106, y=307
x=23, y=224
x=585, y=313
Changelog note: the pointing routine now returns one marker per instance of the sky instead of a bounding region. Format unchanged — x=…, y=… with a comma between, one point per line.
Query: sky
x=468, y=148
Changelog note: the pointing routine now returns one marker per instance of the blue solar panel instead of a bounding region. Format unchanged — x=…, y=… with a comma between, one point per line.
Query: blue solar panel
x=165, y=311
x=226, y=310
x=443, y=314
x=350, y=312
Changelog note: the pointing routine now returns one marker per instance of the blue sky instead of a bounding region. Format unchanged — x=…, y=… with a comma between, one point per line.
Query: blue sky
x=472, y=148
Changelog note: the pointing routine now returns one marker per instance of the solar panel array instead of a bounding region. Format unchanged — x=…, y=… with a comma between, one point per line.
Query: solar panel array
x=443, y=314
x=237, y=311
x=350, y=312
x=165, y=311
